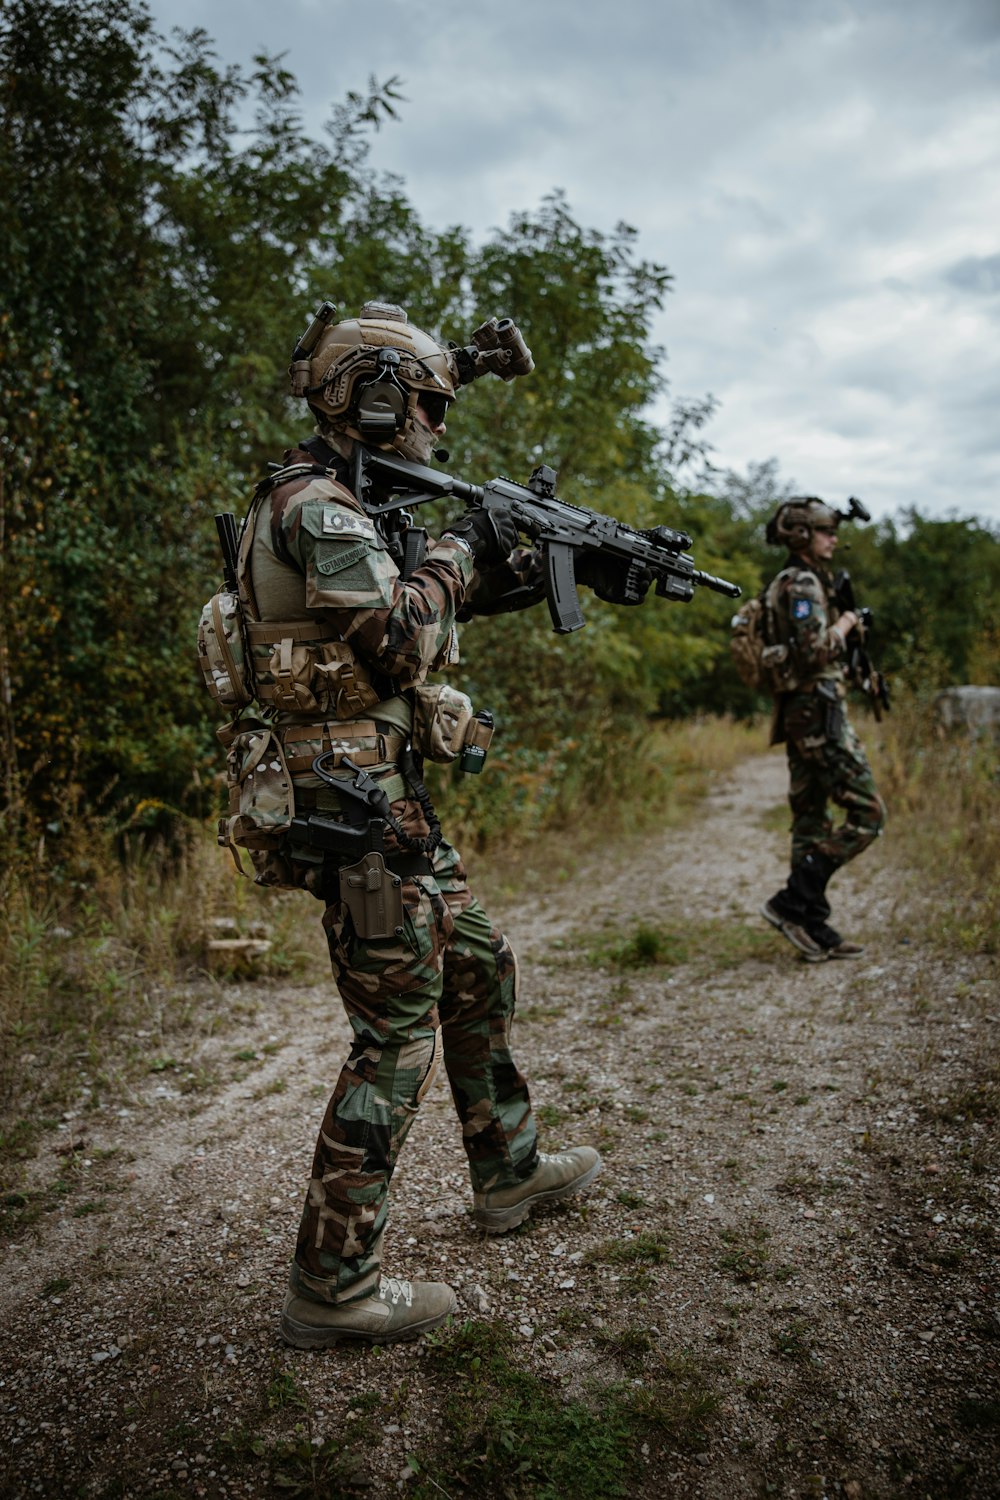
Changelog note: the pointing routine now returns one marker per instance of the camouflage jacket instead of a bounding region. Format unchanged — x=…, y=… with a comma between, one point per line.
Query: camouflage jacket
x=313, y=562
x=800, y=611
x=316, y=555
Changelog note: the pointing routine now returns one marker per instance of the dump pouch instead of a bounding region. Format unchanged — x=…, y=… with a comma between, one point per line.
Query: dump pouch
x=260, y=791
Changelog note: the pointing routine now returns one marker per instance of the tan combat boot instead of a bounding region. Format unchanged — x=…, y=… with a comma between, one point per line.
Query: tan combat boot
x=554, y=1177
x=399, y=1310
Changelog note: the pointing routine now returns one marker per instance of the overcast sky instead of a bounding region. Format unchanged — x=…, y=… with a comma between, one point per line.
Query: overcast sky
x=822, y=177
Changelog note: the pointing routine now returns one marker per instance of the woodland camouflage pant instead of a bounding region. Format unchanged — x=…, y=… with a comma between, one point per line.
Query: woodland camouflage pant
x=827, y=768
x=449, y=983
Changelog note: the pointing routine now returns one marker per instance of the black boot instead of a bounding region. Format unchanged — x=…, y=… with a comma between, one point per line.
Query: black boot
x=802, y=906
x=810, y=878
x=836, y=946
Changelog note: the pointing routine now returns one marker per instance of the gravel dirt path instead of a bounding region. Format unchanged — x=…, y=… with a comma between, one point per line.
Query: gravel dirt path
x=796, y=1220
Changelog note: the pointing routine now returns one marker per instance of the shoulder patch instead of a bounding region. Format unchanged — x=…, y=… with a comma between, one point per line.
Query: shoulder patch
x=801, y=609
x=343, y=523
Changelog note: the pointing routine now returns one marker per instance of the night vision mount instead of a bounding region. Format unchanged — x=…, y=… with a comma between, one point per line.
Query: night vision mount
x=855, y=510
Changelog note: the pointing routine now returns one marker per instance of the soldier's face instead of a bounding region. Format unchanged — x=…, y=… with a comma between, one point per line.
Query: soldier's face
x=431, y=412
x=824, y=543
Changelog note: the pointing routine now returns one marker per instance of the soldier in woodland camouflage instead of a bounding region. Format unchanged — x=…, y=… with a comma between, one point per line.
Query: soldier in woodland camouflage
x=340, y=641
x=807, y=635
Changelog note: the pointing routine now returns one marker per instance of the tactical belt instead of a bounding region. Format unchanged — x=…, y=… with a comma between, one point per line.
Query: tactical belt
x=298, y=631
x=381, y=749
x=407, y=865
x=320, y=799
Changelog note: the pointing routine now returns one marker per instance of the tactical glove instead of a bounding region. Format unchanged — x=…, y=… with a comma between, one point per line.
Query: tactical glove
x=490, y=535
x=612, y=580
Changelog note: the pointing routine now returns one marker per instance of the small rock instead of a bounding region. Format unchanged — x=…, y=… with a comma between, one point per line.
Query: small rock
x=476, y=1298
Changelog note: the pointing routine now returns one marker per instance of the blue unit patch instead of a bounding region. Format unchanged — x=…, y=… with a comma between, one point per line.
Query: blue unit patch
x=801, y=609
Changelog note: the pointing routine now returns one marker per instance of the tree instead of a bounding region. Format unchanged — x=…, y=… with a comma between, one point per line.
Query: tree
x=144, y=243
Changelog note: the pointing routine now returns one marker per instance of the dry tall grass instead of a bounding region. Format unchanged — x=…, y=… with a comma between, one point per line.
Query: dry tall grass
x=93, y=942
x=943, y=792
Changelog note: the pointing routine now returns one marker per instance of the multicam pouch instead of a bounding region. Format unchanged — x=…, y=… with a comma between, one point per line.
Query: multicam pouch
x=298, y=674
x=261, y=802
x=441, y=718
x=320, y=679
x=222, y=655
x=778, y=669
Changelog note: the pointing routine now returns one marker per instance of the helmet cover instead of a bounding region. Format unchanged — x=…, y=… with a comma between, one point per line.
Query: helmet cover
x=364, y=376
x=794, y=522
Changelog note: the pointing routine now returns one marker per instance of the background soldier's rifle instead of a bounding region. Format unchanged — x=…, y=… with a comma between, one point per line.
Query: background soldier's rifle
x=618, y=560
x=860, y=669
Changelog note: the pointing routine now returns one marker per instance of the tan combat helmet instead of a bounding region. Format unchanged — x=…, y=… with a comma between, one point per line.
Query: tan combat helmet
x=794, y=522
x=364, y=377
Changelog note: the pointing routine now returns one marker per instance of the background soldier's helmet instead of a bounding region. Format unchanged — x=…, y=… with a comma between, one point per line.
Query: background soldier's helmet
x=793, y=523
x=364, y=377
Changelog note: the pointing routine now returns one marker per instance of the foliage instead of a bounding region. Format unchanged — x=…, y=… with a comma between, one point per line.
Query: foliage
x=170, y=226
x=933, y=585
x=148, y=232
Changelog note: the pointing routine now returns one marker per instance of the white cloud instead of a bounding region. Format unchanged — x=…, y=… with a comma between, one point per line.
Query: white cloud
x=822, y=179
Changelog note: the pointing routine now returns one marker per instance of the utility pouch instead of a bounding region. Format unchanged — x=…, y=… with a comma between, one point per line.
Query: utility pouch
x=833, y=710
x=222, y=654
x=374, y=897
x=443, y=724
x=324, y=678
x=261, y=801
x=778, y=669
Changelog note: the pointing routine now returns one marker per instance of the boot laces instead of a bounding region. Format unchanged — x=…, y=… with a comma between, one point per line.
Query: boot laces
x=392, y=1288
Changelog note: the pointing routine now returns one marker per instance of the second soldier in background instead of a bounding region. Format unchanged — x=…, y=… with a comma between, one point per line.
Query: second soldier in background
x=808, y=638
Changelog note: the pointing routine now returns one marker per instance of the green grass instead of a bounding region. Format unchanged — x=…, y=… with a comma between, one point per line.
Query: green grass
x=649, y=1248
x=714, y=945
x=511, y=1433
x=746, y=1255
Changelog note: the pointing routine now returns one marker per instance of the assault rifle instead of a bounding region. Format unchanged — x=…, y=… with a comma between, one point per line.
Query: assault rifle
x=860, y=669
x=624, y=560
